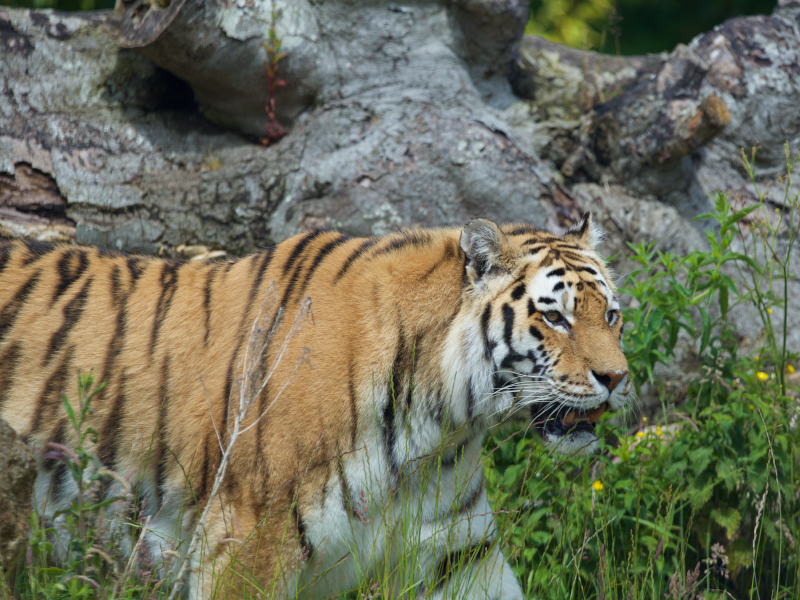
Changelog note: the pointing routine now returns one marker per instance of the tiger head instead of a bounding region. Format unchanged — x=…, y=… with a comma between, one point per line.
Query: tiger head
x=550, y=329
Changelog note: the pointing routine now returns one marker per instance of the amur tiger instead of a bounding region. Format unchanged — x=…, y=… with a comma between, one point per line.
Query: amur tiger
x=419, y=342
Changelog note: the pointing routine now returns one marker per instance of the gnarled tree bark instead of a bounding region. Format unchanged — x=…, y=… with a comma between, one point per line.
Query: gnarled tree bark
x=139, y=129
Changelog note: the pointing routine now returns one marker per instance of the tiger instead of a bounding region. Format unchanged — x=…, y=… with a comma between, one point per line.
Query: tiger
x=366, y=430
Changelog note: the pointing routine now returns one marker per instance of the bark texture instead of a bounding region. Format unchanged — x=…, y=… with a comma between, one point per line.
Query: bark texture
x=17, y=474
x=139, y=130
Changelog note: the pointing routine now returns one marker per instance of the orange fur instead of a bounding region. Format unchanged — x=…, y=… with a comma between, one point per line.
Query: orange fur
x=167, y=337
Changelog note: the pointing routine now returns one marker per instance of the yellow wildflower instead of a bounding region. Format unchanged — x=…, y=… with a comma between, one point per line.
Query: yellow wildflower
x=658, y=430
x=790, y=369
x=769, y=311
x=751, y=407
x=644, y=419
x=597, y=486
x=762, y=376
x=640, y=434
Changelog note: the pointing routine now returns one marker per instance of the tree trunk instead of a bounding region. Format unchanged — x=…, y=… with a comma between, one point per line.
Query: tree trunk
x=146, y=128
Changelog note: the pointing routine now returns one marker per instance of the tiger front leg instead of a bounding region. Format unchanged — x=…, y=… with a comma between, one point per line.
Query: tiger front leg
x=243, y=556
x=479, y=572
x=466, y=561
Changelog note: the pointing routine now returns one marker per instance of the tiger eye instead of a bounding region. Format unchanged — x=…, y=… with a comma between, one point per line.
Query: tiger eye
x=552, y=315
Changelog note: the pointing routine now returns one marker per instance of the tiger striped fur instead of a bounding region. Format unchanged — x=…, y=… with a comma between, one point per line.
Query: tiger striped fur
x=420, y=341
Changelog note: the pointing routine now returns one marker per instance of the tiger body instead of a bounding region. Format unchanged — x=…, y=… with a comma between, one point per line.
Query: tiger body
x=419, y=342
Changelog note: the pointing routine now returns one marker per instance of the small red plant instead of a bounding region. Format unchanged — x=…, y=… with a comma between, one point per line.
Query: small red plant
x=275, y=131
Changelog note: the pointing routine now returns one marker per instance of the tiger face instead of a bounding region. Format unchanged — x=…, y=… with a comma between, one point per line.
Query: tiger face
x=550, y=328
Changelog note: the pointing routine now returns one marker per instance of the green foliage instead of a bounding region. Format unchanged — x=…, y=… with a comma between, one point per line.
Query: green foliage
x=633, y=26
x=708, y=500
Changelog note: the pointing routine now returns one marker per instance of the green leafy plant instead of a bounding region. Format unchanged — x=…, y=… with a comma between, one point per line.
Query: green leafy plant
x=705, y=502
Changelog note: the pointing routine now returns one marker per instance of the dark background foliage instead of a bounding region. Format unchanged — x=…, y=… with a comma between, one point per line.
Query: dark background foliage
x=634, y=26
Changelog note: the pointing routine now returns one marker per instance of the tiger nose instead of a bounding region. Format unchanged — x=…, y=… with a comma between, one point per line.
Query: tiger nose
x=610, y=379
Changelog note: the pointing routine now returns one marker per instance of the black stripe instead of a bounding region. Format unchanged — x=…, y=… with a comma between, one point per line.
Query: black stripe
x=347, y=495
x=109, y=438
x=287, y=294
x=73, y=311
x=512, y=358
x=450, y=460
x=136, y=266
x=299, y=247
x=508, y=325
x=576, y=259
x=353, y=407
x=116, y=285
x=556, y=273
x=60, y=476
x=210, y=273
x=5, y=255
x=393, y=392
x=457, y=559
x=36, y=250
x=51, y=395
x=200, y=492
x=305, y=545
x=169, y=282
x=523, y=229
x=326, y=249
x=531, y=307
x=487, y=346
x=68, y=271
x=12, y=309
x=115, y=345
x=588, y=270
x=352, y=258
x=229, y=390
x=536, y=333
x=558, y=286
x=266, y=258
x=518, y=292
x=470, y=400
x=407, y=238
x=8, y=369
x=59, y=480
x=161, y=465
x=545, y=300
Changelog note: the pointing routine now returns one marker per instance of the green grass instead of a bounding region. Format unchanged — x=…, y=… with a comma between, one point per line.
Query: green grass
x=700, y=501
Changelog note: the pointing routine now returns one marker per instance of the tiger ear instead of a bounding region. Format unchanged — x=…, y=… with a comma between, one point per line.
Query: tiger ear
x=487, y=249
x=586, y=232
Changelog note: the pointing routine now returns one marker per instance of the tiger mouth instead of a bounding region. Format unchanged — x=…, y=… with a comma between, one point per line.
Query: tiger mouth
x=570, y=420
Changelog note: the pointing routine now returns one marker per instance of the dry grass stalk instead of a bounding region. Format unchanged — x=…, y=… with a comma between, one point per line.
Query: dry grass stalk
x=254, y=378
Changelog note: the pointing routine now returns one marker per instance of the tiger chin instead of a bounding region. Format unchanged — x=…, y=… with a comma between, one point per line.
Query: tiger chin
x=420, y=342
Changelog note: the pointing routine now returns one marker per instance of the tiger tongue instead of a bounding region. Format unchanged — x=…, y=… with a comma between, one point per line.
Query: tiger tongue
x=592, y=416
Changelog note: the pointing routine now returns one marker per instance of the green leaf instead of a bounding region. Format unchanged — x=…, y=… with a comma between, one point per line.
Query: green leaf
x=706, y=328
x=723, y=301
x=70, y=412
x=729, y=518
x=699, y=458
